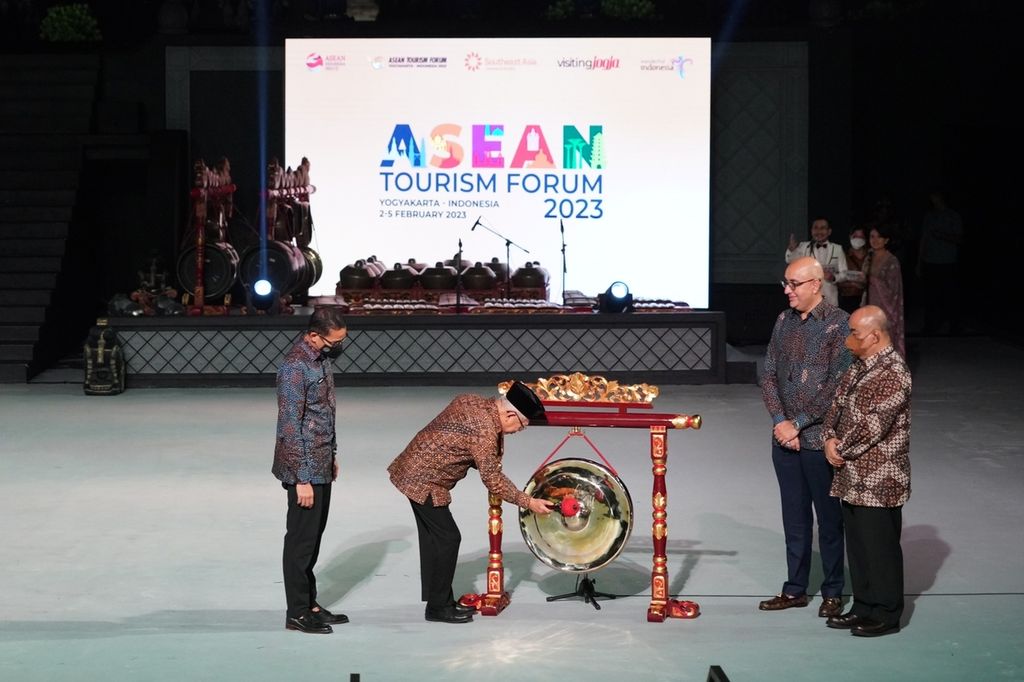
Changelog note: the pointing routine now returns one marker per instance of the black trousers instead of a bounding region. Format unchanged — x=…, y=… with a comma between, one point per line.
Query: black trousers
x=876, y=561
x=305, y=527
x=439, y=538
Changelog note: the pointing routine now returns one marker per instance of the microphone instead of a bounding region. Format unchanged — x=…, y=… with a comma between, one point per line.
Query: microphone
x=561, y=224
x=475, y=224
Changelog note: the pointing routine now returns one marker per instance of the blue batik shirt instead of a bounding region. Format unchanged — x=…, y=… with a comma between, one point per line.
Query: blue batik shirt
x=306, y=440
x=802, y=367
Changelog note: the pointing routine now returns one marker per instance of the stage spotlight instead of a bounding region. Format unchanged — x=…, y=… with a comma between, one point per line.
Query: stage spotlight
x=263, y=297
x=616, y=299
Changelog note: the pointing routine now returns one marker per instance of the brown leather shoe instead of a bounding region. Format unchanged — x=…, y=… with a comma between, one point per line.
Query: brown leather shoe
x=830, y=606
x=845, y=621
x=783, y=601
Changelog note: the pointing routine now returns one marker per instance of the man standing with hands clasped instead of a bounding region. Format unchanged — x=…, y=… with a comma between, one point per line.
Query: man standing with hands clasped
x=867, y=440
x=802, y=366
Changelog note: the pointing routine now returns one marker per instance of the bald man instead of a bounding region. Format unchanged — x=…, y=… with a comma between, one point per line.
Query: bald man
x=867, y=440
x=803, y=364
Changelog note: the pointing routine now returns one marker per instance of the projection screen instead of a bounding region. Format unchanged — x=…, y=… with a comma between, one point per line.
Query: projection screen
x=600, y=144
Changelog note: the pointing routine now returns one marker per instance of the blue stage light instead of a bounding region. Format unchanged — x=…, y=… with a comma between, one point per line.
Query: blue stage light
x=262, y=287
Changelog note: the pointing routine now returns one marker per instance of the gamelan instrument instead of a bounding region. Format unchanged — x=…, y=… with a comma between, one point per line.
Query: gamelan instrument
x=590, y=523
x=593, y=517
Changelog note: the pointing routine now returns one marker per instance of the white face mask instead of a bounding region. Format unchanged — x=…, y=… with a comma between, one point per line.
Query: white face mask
x=857, y=243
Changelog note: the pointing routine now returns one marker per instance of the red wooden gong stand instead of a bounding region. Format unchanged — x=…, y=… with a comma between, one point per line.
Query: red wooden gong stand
x=598, y=402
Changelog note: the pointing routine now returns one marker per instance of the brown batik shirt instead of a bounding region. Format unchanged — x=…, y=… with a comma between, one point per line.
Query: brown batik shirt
x=871, y=418
x=467, y=434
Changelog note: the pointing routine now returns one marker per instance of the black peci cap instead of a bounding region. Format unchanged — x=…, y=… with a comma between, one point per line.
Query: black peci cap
x=525, y=400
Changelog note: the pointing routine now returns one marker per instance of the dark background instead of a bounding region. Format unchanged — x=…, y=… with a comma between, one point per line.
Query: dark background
x=903, y=96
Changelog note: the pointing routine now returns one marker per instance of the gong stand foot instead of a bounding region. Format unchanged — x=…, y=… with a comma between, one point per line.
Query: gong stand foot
x=584, y=589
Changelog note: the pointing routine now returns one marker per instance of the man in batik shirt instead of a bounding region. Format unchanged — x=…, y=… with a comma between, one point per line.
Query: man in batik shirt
x=804, y=361
x=305, y=462
x=469, y=433
x=867, y=440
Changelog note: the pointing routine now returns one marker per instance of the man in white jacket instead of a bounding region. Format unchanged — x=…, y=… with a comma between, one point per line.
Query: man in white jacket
x=830, y=255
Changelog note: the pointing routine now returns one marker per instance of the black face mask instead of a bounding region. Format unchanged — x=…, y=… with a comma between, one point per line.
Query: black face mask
x=331, y=352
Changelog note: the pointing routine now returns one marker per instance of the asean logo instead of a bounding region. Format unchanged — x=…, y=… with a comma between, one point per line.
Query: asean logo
x=314, y=61
x=473, y=61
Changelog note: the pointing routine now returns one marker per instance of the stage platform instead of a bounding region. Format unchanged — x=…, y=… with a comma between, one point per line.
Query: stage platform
x=440, y=350
x=142, y=537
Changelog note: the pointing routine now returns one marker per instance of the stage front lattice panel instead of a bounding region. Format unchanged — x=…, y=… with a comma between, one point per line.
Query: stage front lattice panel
x=664, y=348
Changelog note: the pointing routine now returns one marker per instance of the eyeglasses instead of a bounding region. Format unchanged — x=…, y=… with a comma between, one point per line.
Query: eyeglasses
x=793, y=285
x=330, y=344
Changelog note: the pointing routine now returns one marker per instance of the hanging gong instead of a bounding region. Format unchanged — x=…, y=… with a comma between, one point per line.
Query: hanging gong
x=590, y=522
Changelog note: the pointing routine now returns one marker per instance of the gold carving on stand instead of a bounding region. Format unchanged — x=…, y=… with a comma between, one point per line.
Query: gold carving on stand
x=579, y=387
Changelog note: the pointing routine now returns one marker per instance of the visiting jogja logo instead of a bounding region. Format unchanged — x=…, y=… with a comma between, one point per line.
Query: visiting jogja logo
x=589, y=63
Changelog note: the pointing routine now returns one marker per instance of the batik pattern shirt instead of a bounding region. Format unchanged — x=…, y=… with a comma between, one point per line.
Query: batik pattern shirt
x=871, y=419
x=802, y=367
x=467, y=434
x=305, y=417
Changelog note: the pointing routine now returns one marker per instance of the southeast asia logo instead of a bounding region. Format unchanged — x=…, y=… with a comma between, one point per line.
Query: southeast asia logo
x=473, y=61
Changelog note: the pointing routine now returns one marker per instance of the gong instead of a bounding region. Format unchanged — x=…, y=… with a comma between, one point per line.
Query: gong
x=590, y=521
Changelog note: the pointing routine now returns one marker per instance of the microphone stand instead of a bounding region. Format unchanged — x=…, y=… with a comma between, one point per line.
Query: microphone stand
x=508, y=248
x=458, y=280
x=561, y=226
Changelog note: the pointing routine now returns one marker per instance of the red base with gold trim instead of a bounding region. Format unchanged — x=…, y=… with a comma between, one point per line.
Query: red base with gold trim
x=486, y=604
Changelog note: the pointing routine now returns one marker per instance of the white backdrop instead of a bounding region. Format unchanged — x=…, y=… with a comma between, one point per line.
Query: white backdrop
x=411, y=142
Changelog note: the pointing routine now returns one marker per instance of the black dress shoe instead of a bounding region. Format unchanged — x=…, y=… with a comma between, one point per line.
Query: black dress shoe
x=462, y=608
x=308, y=623
x=874, y=629
x=325, y=616
x=846, y=621
x=447, y=614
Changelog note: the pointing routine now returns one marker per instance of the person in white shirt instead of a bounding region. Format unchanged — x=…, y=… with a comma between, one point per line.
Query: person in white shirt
x=830, y=255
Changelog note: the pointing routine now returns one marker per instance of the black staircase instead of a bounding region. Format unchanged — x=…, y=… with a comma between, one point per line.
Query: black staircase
x=46, y=115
